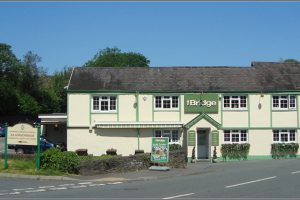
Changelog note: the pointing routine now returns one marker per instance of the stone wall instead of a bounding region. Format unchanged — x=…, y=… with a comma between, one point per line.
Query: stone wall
x=128, y=163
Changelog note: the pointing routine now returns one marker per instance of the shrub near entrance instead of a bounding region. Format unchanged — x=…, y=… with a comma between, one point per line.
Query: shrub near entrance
x=66, y=161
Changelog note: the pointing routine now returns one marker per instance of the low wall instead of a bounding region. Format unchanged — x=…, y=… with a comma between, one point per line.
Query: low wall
x=128, y=163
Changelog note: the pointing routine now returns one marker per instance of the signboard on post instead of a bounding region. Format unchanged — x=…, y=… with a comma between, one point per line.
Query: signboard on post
x=23, y=134
x=215, y=138
x=201, y=103
x=160, y=150
x=191, y=138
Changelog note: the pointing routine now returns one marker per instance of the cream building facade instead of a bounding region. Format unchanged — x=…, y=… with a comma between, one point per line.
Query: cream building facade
x=123, y=108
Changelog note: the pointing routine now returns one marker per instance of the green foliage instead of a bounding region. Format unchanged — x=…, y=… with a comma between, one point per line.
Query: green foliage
x=193, y=153
x=25, y=87
x=113, y=57
x=284, y=150
x=174, y=147
x=55, y=159
x=235, y=151
x=291, y=60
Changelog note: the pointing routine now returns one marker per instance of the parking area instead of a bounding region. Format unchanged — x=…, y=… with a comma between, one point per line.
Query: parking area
x=10, y=151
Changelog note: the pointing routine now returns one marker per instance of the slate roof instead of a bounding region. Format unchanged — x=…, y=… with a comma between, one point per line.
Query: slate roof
x=261, y=76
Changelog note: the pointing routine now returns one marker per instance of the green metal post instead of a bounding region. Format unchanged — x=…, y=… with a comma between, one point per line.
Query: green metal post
x=38, y=147
x=5, y=146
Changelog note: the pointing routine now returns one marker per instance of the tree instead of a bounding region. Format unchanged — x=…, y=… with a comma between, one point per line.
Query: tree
x=291, y=60
x=113, y=57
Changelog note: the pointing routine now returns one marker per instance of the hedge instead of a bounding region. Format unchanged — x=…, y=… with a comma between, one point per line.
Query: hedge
x=284, y=150
x=235, y=151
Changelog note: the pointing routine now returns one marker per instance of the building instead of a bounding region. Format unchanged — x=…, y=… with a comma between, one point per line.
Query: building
x=123, y=108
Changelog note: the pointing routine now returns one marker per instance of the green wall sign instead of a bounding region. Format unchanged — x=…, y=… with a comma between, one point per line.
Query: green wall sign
x=215, y=138
x=201, y=103
x=160, y=150
x=191, y=138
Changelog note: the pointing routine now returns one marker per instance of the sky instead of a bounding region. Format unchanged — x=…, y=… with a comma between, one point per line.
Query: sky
x=67, y=34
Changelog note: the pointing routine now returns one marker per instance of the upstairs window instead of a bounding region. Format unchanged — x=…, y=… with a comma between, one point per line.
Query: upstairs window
x=284, y=136
x=166, y=102
x=235, y=102
x=284, y=102
x=104, y=103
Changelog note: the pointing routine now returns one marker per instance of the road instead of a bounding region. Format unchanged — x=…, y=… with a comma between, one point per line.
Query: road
x=236, y=180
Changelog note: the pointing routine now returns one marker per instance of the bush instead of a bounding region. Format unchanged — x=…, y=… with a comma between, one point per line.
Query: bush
x=111, y=151
x=284, y=150
x=235, y=151
x=174, y=147
x=55, y=159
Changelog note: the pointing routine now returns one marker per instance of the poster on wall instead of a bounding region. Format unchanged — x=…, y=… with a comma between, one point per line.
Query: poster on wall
x=160, y=150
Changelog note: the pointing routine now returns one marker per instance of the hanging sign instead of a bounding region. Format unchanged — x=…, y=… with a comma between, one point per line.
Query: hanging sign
x=201, y=103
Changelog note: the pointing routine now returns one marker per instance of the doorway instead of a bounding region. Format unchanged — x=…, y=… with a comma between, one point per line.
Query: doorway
x=203, y=144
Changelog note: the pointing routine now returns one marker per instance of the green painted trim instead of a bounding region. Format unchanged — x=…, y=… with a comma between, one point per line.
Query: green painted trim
x=90, y=105
x=153, y=108
x=68, y=109
x=235, y=110
x=287, y=110
x=166, y=111
x=187, y=92
x=104, y=113
x=5, y=146
x=200, y=117
x=271, y=113
x=248, y=107
x=297, y=106
x=137, y=107
x=257, y=128
x=222, y=109
x=179, y=105
x=118, y=105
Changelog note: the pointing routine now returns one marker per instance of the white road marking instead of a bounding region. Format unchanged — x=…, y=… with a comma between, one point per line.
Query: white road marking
x=258, y=180
x=23, y=189
x=85, y=183
x=182, y=195
x=59, y=188
x=31, y=191
x=67, y=184
x=48, y=186
x=14, y=193
x=295, y=172
x=115, y=183
x=79, y=186
x=96, y=184
x=3, y=194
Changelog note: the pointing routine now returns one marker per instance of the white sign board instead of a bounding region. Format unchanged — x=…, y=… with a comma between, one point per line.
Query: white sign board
x=23, y=134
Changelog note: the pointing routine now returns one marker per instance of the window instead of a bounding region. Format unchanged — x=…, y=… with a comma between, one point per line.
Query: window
x=104, y=103
x=235, y=102
x=166, y=102
x=235, y=136
x=173, y=135
x=284, y=102
x=282, y=136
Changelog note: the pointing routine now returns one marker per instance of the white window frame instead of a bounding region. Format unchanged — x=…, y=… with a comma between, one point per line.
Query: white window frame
x=238, y=133
x=165, y=99
x=291, y=102
x=104, y=98
x=168, y=133
x=283, y=132
x=235, y=98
